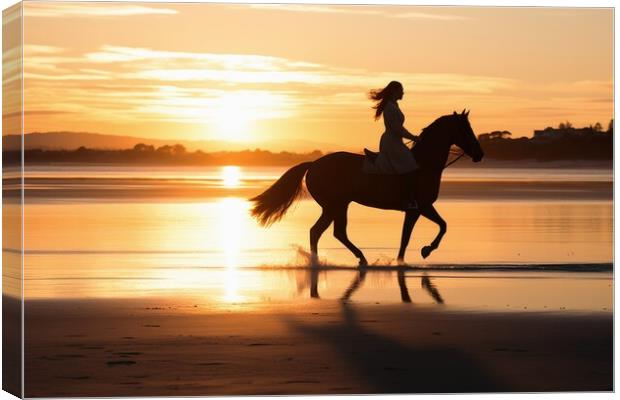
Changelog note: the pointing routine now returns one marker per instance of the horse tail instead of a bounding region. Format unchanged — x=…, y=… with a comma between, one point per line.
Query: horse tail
x=271, y=205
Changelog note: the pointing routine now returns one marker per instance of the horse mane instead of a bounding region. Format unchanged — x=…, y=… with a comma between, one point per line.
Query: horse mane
x=434, y=125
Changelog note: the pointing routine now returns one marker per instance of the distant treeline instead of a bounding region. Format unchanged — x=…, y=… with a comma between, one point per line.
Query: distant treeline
x=595, y=147
x=142, y=154
x=551, y=144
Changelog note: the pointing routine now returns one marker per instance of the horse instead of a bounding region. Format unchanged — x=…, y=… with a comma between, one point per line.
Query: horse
x=337, y=179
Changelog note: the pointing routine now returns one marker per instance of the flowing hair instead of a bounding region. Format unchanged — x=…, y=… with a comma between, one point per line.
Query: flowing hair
x=382, y=96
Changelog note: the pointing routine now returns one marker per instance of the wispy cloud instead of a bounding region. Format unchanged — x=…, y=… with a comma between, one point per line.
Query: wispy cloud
x=107, y=54
x=74, y=10
x=187, y=86
x=148, y=86
x=168, y=66
x=358, y=10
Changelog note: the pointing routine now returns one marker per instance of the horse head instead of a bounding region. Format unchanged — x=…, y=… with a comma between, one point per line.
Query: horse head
x=463, y=136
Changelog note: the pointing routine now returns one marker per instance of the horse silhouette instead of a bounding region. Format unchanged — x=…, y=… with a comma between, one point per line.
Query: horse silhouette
x=337, y=179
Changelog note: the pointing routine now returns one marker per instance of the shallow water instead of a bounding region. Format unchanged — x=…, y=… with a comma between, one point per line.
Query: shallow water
x=111, y=231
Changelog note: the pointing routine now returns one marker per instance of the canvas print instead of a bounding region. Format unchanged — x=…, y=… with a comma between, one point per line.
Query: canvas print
x=292, y=199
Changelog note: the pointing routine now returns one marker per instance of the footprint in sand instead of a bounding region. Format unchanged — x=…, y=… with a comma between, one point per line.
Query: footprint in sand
x=74, y=377
x=208, y=364
x=510, y=350
x=120, y=363
x=128, y=353
x=69, y=356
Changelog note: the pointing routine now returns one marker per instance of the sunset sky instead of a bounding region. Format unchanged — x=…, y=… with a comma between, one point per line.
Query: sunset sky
x=293, y=76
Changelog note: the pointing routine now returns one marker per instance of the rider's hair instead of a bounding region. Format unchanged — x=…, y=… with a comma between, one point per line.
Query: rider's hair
x=382, y=96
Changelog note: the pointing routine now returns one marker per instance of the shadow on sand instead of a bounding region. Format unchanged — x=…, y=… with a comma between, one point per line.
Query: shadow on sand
x=388, y=366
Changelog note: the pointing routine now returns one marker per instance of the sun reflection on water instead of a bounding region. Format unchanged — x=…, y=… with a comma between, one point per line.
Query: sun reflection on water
x=230, y=176
x=232, y=227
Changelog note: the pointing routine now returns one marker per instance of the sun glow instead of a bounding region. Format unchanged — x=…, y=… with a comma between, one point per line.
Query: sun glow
x=230, y=176
x=232, y=121
x=235, y=114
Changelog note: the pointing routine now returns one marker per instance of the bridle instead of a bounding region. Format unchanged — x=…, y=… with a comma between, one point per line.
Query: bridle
x=451, y=151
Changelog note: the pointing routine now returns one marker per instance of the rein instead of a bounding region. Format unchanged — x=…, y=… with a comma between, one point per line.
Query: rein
x=455, y=160
x=451, y=162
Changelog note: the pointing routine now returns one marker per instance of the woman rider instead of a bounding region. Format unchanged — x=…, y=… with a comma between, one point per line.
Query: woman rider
x=394, y=156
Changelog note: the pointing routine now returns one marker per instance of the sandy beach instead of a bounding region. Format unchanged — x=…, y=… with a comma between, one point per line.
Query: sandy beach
x=173, y=289
x=178, y=346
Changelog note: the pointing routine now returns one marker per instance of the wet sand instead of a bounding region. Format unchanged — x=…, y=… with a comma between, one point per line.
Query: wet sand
x=176, y=347
x=87, y=189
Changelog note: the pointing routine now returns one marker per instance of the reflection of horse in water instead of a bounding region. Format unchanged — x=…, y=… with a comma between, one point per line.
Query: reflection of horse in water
x=336, y=180
x=359, y=279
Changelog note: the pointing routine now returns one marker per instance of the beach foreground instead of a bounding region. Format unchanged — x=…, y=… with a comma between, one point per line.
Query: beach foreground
x=175, y=347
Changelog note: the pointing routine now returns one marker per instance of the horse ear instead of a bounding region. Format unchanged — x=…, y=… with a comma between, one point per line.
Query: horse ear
x=454, y=113
x=463, y=112
x=467, y=113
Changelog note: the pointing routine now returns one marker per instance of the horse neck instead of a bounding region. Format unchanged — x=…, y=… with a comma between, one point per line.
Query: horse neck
x=432, y=152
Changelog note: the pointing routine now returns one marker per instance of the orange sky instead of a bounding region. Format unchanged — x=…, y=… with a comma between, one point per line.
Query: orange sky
x=285, y=74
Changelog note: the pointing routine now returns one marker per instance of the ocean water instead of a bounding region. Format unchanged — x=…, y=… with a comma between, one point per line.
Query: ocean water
x=130, y=231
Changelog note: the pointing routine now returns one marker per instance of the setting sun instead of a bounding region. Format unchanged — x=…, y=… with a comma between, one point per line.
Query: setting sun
x=234, y=114
x=232, y=122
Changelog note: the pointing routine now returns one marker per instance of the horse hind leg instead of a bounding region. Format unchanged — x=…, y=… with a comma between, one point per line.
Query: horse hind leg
x=340, y=233
x=315, y=234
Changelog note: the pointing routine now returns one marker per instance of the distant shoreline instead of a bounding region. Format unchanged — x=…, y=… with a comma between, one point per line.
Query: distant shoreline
x=465, y=163
x=143, y=188
x=565, y=147
x=562, y=164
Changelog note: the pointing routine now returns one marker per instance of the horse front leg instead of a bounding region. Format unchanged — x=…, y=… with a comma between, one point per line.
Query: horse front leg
x=432, y=214
x=411, y=217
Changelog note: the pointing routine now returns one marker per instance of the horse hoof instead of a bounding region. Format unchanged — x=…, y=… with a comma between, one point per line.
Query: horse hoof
x=363, y=263
x=314, y=260
x=401, y=262
x=426, y=251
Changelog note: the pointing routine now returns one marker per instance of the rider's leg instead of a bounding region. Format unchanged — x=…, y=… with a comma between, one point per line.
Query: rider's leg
x=411, y=196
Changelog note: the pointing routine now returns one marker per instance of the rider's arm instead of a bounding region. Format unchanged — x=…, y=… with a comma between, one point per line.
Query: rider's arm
x=393, y=124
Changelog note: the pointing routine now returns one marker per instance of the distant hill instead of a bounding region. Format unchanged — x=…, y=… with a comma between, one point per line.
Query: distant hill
x=75, y=140
x=143, y=154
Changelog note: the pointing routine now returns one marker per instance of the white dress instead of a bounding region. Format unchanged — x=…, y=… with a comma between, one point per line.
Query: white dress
x=394, y=156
